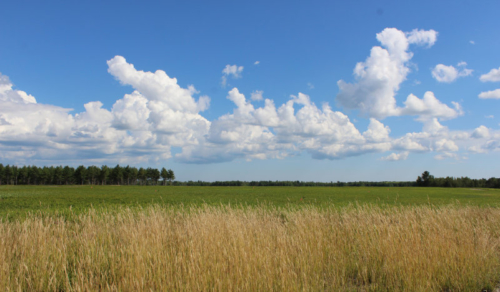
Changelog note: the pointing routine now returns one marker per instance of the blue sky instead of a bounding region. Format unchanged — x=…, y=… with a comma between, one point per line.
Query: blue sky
x=319, y=90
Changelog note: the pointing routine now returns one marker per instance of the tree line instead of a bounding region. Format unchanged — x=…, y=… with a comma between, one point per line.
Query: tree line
x=92, y=175
x=297, y=183
x=129, y=175
x=428, y=180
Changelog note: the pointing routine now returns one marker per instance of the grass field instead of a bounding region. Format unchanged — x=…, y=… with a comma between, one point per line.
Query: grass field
x=112, y=238
x=360, y=248
x=18, y=201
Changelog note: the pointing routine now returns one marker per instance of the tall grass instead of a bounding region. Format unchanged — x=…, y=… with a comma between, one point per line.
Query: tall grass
x=255, y=249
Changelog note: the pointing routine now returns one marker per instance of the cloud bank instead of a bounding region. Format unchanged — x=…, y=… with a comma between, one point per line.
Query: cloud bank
x=159, y=115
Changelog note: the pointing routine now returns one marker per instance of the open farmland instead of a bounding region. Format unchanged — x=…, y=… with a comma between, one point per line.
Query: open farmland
x=112, y=238
x=17, y=201
x=362, y=248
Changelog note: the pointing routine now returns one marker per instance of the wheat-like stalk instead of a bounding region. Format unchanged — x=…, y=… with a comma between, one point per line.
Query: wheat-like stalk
x=223, y=248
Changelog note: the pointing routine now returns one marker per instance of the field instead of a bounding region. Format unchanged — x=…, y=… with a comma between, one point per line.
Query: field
x=18, y=201
x=112, y=238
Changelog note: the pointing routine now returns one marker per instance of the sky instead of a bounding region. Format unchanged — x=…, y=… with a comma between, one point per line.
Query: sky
x=254, y=90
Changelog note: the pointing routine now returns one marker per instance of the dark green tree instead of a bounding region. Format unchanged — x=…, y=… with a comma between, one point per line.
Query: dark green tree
x=58, y=175
x=68, y=175
x=164, y=175
x=142, y=175
x=81, y=174
x=23, y=174
x=133, y=173
x=117, y=174
x=1, y=173
x=7, y=174
x=425, y=180
x=171, y=176
x=155, y=175
x=34, y=174
x=103, y=174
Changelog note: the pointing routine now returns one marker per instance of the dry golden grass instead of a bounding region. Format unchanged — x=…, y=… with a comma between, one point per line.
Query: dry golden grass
x=255, y=249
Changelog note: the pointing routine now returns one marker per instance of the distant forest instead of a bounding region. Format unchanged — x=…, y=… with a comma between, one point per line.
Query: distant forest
x=91, y=175
x=129, y=175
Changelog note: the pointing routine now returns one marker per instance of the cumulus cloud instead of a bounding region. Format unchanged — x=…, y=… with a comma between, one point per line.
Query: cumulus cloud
x=448, y=74
x=275, y=132
x=257, y=95
x=377, y=132
x=447, y=155
x=158, y=114
x=8, y=94
x=396, y=156
x=429, y=107
x=142, y=126
x=422, y=37
x=378, y=79
x=492, y=76
x=480, y=132
x=443, y=73
x=231, y=71
x=493, y=94
x=445, y=145
x=410, y=142
x=160, y=104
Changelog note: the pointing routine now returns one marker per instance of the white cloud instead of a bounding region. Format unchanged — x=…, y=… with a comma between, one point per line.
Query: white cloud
x=448, y=74
x=447, y=155
x=443, y=73
x=476, y=149
x=310, y=85
x=142, y=126
x=489, y=116
x=379, y=77
x=429, y=107
x=463, y=72
x=131, y=112
x=7, y=94
x=377, y=132
x=472, y=42
x=158, y=114
x=445, y=145
x=493, y=94
x=422, y=37
x=246, y=133
x=492, y=76
x=480, y=132
x=409, y=142
x=257, y=95
x=231, y=71
x=256, y=63
x=172, y=112
x=157, y=86
x=396, y=156
x=434, y=128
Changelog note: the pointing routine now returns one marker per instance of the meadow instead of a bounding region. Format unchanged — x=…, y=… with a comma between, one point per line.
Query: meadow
x=18, y=201
x=111, y=238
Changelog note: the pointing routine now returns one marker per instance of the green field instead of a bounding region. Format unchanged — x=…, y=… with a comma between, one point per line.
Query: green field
x=164, y=238
x=18, y=201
